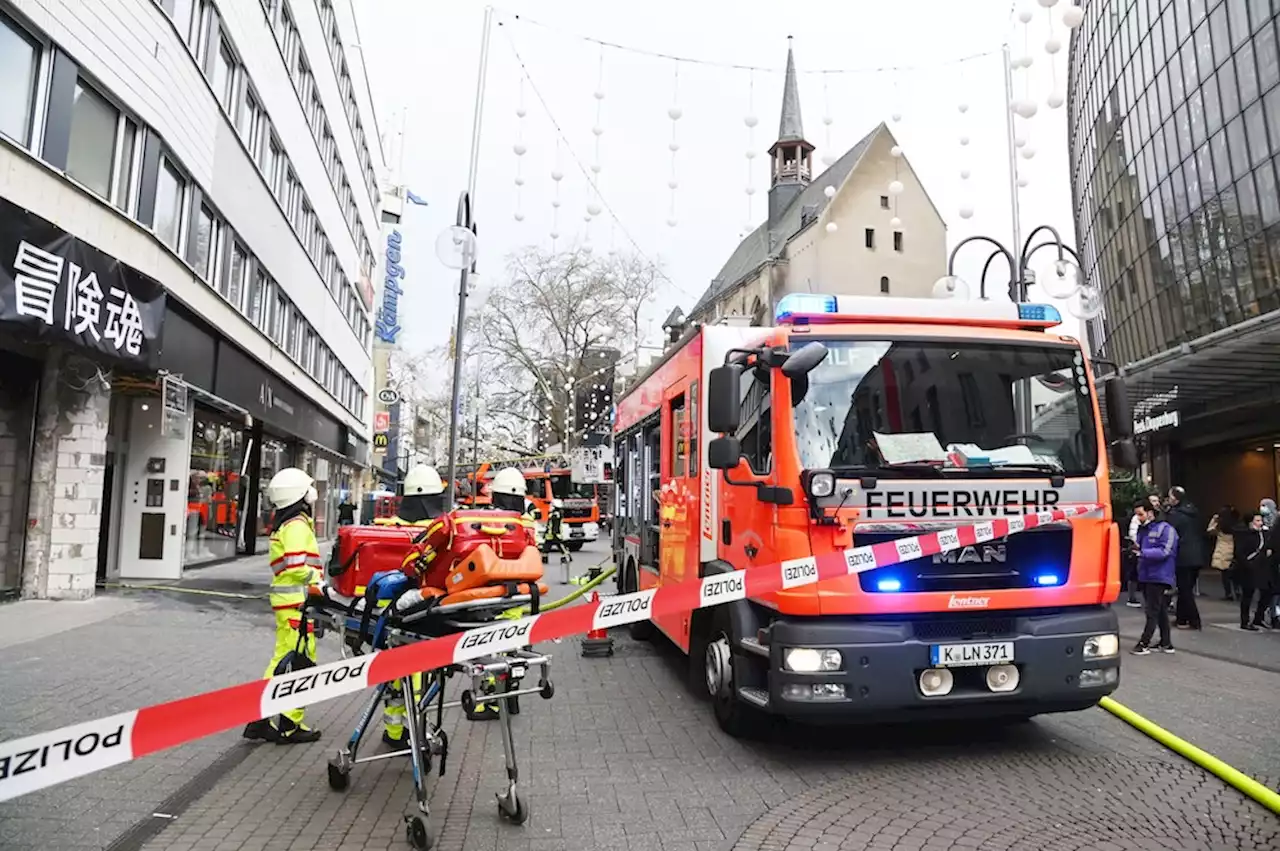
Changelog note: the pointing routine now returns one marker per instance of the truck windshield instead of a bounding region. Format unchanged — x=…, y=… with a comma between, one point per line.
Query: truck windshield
x=946, y=406
x=563, y=487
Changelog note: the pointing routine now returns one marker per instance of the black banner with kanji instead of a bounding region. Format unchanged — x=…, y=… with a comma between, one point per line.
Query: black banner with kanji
x=57, y=289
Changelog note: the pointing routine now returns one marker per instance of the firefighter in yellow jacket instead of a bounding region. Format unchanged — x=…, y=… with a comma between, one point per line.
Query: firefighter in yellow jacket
x=295, y=566
x=420, y=504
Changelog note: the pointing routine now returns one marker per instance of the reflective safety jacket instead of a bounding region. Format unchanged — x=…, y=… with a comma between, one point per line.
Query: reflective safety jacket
x=295, y=562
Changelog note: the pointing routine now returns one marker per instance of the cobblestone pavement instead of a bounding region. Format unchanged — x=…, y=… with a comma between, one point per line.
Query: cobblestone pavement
x=627, y=757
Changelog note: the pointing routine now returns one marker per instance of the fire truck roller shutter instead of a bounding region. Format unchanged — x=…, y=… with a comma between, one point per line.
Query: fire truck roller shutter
x=745, y=620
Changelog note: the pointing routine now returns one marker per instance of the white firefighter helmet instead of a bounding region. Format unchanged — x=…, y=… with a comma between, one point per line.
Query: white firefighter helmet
x=557, y=503
x=509, y=481
x=423, y=480
x=290, y=486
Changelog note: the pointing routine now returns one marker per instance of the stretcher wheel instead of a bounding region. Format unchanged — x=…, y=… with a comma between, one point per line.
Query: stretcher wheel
x=519, y=814
x=548, y=690
x=418, y=833
x=338, y=779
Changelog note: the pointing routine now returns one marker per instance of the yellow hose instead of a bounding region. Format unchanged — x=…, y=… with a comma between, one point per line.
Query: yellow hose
x=1246, y=784
x=228, y=594
x=520, y=611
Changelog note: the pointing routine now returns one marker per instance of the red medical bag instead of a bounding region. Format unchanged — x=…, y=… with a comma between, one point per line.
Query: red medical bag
x=362, y=551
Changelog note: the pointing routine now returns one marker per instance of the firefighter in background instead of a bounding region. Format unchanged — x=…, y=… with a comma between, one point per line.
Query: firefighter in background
x=295, y=567
x=507, y=493
x=437, y=556
x=421, y=503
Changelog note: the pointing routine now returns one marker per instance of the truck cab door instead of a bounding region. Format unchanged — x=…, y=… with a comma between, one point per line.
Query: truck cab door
x=677, y=506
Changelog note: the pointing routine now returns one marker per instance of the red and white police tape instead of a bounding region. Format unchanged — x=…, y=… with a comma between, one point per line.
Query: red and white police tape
x=47, y=759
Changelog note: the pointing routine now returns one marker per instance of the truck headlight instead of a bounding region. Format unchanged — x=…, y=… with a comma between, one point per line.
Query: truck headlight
x=811, y=660
x=822, y=484
x=1101, y=646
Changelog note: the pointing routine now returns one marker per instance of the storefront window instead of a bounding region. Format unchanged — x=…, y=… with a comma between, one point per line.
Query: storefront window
x=276, y=455
x=213, y=489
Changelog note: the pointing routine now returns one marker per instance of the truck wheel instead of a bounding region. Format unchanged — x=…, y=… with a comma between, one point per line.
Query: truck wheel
x=640, y=630
x=734, y=717
x=574, y=546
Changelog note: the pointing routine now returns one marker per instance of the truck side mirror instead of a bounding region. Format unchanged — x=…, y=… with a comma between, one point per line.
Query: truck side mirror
x=724, y=408
x=802, y=361
x=723, y=453
x=1119, y=408
x=1124, y=454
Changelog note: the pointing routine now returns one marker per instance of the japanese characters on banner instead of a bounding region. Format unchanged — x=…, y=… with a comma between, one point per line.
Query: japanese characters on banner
x=58, y=289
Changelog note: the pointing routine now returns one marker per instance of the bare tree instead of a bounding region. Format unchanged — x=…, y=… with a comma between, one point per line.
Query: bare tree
x=536, y=332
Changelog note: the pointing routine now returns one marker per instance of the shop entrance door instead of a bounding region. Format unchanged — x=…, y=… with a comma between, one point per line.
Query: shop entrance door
x=19, y=389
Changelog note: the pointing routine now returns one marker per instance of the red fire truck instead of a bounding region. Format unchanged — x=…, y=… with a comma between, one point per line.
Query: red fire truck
x=862, y=420
x=548, y=477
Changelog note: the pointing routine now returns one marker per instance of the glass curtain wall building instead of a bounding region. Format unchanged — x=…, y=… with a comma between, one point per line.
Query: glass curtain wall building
x=1174, y=133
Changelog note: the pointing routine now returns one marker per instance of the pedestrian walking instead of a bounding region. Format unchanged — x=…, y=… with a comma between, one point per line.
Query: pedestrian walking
x=1185, y=519
x=1252, y=569
x=1156, y=548
x=1221, y=532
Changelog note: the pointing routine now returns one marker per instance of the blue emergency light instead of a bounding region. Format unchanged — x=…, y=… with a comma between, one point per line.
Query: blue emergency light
x=800, y=304
x=1046, y=579
x=888, y=586
x=1039, y=313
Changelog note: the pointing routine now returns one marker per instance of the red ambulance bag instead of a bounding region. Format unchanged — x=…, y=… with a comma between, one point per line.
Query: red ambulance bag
x=362, y=551
x=502, y=533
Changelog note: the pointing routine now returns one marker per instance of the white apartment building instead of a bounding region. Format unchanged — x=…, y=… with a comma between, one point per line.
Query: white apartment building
x=188, y=199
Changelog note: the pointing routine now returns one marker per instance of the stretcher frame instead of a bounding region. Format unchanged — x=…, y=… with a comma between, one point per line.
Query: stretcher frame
x=427, y=738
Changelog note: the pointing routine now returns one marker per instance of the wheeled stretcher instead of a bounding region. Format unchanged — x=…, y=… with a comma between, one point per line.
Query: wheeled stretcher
x=393, y=612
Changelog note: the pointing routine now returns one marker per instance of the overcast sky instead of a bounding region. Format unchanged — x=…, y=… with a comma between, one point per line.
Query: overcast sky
x=423, y=60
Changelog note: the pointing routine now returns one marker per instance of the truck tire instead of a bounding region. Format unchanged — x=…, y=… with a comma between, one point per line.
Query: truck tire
x=735, y=717
x=640, y=630
x=573, y=546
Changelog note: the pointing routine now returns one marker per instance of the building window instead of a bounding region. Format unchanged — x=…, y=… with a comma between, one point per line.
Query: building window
x=252, y=124
x=125, y=194
x=182, y=19
x=233, y=288
x=884, y=285
x=223, y=76
x=93, y=136
x=202, y=251
x=897, y=240
x=279, y=312
x=884, y=202
x=171, y=186
x=256, y=301
x=19, y=68
x=869, y=237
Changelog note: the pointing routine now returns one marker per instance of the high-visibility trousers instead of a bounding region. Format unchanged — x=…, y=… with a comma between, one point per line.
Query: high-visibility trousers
x=393, y=711
x=287, y=622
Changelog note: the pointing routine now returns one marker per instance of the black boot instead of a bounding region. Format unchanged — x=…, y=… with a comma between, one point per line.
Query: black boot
x=289, y=733
x=260, y=731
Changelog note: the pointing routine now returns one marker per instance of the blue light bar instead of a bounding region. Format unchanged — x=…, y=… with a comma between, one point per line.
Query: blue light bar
x=1048, y=579
x=799, y=304
x=888, y=585
x=1039, y=313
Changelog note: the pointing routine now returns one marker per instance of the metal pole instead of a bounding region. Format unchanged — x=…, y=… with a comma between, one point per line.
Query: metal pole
x=1017, y=287
x=464, y=220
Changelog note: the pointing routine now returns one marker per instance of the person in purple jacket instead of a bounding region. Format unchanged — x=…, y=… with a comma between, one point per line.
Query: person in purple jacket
x=1156, y=546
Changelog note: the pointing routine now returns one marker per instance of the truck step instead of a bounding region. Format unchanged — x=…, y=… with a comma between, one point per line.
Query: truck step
x=751, y=645
x=757, y=696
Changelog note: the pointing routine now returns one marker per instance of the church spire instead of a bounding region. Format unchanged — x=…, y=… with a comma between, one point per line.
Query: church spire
x=791, y=157
x=790, y=125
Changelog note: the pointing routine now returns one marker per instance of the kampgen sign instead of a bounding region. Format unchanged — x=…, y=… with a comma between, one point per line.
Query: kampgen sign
x=58, y=289
x=387, y=326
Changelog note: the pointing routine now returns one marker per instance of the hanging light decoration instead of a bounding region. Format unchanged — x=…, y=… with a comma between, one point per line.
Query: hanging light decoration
x=828, y=150
x=595, y=203
x=520, y=150
x=557, y=175
x=964, y=155
x=674, y=112
x=750, y=121
x=1052, y=45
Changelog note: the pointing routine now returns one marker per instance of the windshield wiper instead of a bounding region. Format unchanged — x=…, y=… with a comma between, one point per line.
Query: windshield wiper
x=922, y=470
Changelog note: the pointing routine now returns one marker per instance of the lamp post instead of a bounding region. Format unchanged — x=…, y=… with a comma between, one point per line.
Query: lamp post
x=1085, y=302
x=456, y=248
